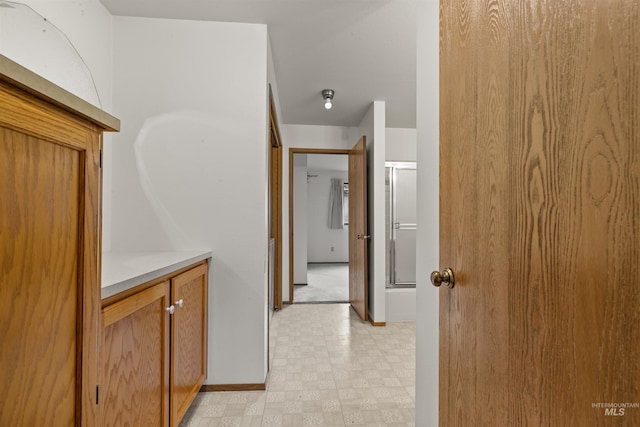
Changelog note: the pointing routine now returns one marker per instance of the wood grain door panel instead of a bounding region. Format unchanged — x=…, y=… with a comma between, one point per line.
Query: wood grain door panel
x=43, y=308
x=358, y=245
x=540, y=200
x=135, y=360
x=189, y=339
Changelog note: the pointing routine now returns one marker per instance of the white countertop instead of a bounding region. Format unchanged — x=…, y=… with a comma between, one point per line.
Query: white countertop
x=124, y=270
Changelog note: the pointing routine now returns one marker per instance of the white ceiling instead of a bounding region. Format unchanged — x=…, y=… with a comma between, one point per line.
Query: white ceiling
x=365, y=50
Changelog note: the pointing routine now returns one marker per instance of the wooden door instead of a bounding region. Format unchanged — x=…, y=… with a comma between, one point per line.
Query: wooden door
x=358, y=237
x=49, y=262
x=540, y=212
x=135, y=360
x=188, y=339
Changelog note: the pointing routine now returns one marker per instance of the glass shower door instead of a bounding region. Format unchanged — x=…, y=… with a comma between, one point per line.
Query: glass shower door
x=401, y=224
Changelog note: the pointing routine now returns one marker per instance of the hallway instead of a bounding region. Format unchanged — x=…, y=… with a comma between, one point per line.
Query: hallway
x=328, y=368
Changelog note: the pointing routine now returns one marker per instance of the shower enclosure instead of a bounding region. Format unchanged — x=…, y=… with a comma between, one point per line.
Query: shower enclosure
x=400, y=224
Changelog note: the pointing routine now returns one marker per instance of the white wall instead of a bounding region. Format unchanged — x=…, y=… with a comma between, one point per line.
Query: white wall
x=320, y=238
x=400, y=305
x=271, y=78
x=300, y=220
x=305, y=136
x=88, y=26
x=373, y=127
x=400, y=145
x=191, y=168
x=427, y=316
x=329, y=162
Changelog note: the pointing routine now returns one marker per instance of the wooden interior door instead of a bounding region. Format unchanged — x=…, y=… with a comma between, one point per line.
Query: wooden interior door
x=358, y=237
x=540, y=212
x=188, y=339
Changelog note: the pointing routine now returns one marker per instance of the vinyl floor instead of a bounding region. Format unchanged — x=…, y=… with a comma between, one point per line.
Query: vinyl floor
x=327, y=368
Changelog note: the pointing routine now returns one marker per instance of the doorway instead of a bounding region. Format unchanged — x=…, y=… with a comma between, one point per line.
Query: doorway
x=320, y=234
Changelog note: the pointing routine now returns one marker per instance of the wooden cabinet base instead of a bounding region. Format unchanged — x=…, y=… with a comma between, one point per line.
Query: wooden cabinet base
x=154, y=351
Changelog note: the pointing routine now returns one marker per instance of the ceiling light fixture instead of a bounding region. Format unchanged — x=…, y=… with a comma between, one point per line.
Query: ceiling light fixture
x=327, y=95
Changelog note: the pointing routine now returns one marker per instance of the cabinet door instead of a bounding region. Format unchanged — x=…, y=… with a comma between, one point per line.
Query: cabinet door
x=49, y=254
x=135, y=377
x=189, y=339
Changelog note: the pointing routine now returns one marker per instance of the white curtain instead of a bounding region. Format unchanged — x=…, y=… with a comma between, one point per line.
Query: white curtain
x=336, y=220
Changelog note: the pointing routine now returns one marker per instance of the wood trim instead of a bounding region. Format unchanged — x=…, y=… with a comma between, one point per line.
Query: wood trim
x=275, y=171
x=376, y=323
x=142, y=286
x=233, y=387
x=91, y=254
x=124, y=308
x=293, y=151
x=28, y=114
x=277, y=227
x=318, y=151
x=194, y=273
x=273, y=120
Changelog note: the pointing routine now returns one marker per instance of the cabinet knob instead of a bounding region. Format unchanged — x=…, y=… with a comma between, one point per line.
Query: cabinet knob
x=171, y=309
x=180, y=303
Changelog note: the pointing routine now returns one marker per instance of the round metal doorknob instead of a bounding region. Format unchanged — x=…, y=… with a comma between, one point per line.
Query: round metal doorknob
x=171, y=309
x=180, y=303
x=445, y=276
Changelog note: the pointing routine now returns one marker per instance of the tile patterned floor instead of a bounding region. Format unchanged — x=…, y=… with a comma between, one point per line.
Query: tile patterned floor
x=328, y=368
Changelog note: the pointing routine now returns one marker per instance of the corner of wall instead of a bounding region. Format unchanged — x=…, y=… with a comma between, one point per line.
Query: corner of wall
x=427, y=128
x=373, y=127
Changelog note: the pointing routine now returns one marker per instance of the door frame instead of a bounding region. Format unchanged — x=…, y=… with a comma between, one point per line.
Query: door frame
x=293, y=151
x=275, y=201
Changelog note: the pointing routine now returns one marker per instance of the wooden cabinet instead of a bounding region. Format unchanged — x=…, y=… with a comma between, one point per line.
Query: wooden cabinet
x=154, y=351
x=49, y=252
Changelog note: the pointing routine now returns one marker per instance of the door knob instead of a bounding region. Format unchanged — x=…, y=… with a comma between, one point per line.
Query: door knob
x=171, y=309
x=363, y=237
x=446, y=277
x=180, y=303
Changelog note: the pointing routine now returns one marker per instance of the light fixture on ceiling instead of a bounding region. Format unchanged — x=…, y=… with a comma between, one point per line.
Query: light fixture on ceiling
x=327, y=95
